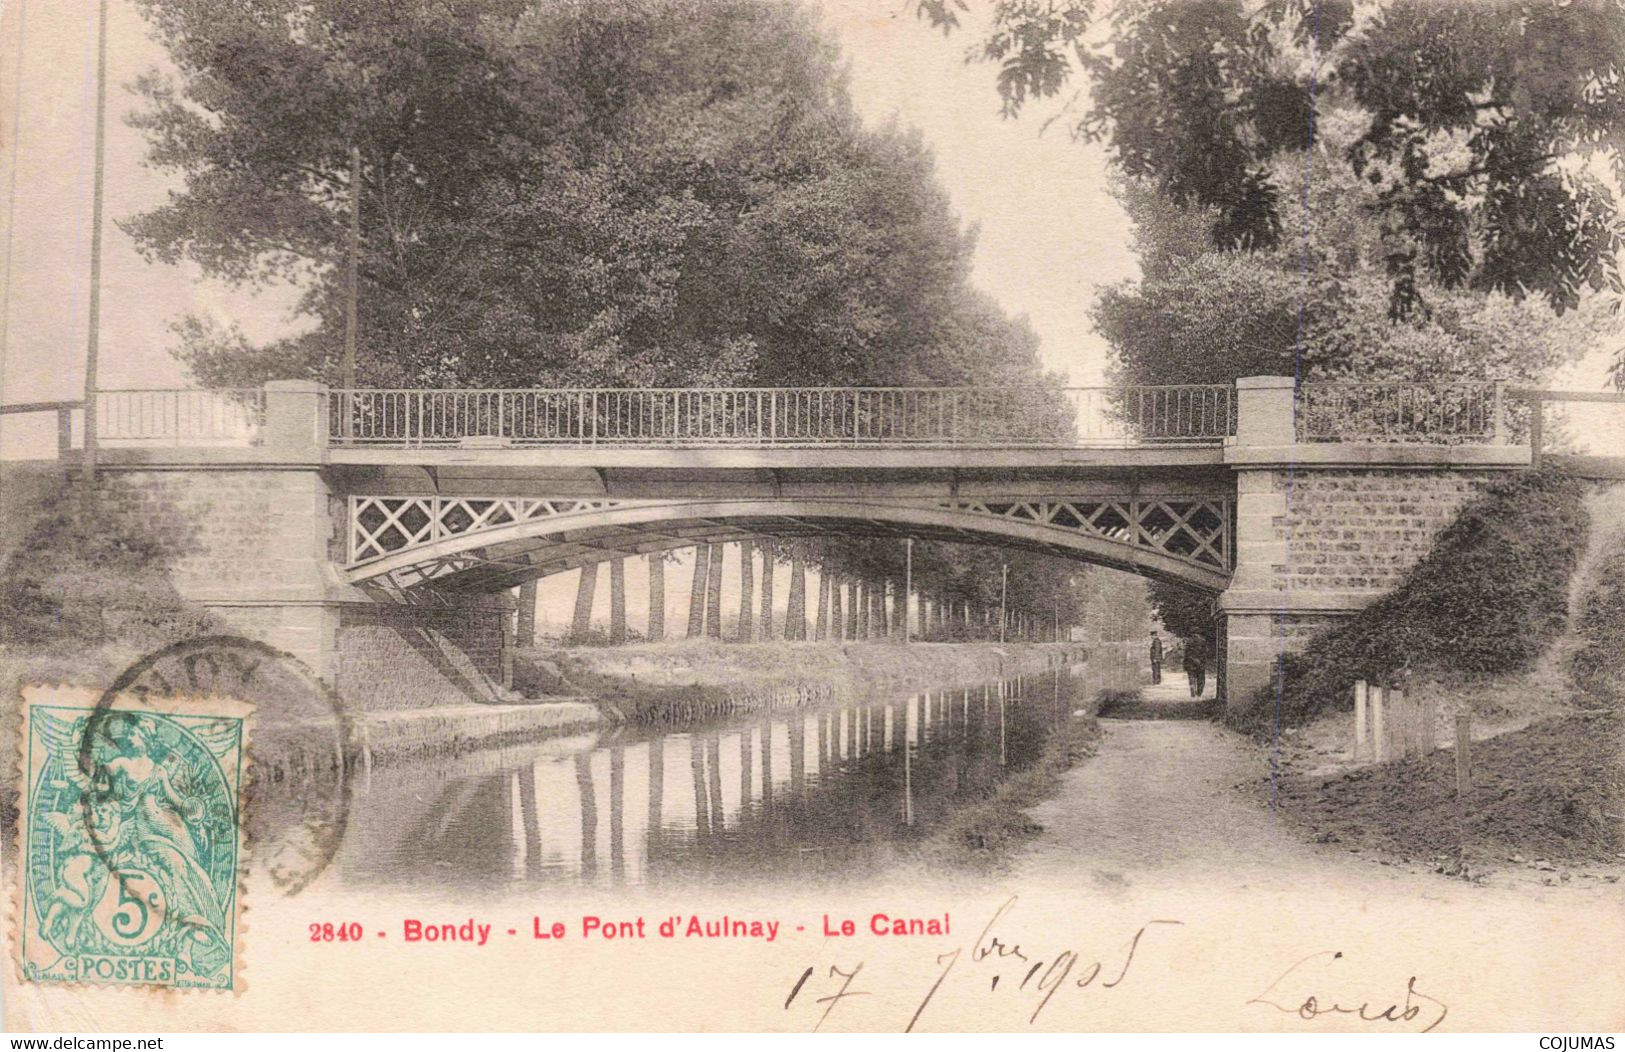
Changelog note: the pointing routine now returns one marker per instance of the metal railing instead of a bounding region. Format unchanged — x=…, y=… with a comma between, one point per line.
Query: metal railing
x=64, y=411
x=1584, y=430
x=1452, y=413
x=794, y=416
x=180, y=417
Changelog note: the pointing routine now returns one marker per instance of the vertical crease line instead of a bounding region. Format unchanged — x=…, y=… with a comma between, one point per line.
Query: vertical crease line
x=1282, y=614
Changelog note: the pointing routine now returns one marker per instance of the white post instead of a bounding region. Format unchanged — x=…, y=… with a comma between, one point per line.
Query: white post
x=1359, y=720
x=1379, y=735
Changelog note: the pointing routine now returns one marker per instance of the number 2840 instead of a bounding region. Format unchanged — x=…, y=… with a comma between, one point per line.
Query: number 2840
x=350, y=932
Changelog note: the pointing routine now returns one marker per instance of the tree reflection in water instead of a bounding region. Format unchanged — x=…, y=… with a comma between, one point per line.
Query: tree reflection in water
x=809, y=793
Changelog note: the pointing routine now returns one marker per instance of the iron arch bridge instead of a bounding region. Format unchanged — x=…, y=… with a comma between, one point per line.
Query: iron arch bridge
x=403, y=544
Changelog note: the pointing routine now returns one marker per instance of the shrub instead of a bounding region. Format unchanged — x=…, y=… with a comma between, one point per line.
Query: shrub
x=1489, y=597
x=1598, y=667
x=82, y=578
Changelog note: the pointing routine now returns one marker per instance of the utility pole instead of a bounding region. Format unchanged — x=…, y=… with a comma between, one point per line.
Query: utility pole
x=908, y=581
x=351, y=267
x=93, y=337
x=1004, y=594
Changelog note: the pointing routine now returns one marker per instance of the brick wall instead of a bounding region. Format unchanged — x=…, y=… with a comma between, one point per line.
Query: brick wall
x=245, y=532
x=259, y=547
x=1362, y=530
x=1318, y=544
x=396, y=657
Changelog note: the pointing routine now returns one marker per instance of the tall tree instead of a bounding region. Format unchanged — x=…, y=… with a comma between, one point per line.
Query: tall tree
x=696, y=591
x=747, y=590
x=1482, y=126
x=622, y=192
x=586, y=586
x=767, y=549
x=713, y=594
x=657, y=596
x=617, y=600
x=795, y=613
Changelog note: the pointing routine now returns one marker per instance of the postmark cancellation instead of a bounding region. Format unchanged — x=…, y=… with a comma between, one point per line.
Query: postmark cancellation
x=131, y=839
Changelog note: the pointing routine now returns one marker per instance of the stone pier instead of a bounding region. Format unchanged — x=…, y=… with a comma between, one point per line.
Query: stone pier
x=1323, y=529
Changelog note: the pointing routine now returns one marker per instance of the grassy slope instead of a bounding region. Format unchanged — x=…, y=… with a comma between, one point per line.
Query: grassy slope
x=1489, y=599
x=1552, y=786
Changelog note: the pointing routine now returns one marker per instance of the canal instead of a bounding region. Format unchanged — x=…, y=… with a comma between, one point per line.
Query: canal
x=778, y=795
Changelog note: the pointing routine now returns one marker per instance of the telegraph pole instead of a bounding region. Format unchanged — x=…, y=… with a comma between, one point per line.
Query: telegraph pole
x=1004, y=593
x=351, y=266
x=93, y=337
x=908, y=581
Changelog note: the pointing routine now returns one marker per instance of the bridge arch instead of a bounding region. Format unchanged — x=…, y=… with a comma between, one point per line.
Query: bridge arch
x=472, y=544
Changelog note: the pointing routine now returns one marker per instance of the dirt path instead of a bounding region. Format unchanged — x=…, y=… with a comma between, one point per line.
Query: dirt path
x=1159, y=804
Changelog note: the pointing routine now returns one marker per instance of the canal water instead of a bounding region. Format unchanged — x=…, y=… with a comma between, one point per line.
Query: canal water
x=784, y=794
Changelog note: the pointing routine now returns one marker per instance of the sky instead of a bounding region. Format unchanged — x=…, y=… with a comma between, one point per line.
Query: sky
x=1049, y=233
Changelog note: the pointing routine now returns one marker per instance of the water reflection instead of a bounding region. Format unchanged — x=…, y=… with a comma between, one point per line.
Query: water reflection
x=788, y=793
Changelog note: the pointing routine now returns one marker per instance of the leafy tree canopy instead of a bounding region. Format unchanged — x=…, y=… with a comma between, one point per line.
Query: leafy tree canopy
x=1491, y=136
x=1318, y=307
x=559, y=193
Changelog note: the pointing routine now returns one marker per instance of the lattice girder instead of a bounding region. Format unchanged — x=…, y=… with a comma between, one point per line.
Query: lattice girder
x=380, y=526
x=1193, y=530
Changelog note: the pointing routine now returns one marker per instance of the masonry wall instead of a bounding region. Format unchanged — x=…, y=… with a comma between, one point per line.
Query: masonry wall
x=1317, y=544
x=259, y=545
x=1360, y=530
x=254, y=542
x=396, y=657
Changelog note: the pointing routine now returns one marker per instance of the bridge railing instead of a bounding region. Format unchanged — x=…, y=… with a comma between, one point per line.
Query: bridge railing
x=177, y=417
x=793, y=416
x=1452, y=413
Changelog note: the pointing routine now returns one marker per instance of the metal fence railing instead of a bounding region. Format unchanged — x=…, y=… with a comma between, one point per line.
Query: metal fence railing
x=179, y=417
x=1456, y=413
x=679, y=417
x=1586, y=429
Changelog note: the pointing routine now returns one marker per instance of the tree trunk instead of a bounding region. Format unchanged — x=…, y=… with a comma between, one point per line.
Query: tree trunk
x=767, y=591
x=837, y=623
x=657, y=596
x=617, y=601
x=877, y=612
x=860, y=609
x=713, y=595
x=795, y=617
x=821, y=614
x=584, y=596
x=853, y=614
x=747, y=591
x=899, y=612
x=526, y=635
x=696, y=592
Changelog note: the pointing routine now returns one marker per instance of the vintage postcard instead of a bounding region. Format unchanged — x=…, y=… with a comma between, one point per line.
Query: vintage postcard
x=813, y=516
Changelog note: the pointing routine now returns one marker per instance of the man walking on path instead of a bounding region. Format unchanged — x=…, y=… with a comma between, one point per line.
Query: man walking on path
x=1195, y=664
x=1156, y=658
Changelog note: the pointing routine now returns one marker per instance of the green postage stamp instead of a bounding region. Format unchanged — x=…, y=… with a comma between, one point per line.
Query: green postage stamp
x=131, y=839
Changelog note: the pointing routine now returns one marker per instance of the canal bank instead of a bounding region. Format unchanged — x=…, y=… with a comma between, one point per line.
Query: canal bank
x=672, y=682
x=585, y=688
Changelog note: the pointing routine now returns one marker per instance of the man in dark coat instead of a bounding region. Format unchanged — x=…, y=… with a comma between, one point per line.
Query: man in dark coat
x=1195, y=664
x=1156, y=658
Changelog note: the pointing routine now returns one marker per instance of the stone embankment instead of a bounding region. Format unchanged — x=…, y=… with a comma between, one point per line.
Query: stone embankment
x=579, y=689
x=681, y=681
